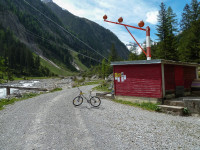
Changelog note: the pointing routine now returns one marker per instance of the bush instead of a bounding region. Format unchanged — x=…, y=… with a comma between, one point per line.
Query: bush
x=186, y=111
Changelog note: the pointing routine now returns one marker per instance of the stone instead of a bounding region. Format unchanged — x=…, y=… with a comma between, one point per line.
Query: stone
x=174, y=110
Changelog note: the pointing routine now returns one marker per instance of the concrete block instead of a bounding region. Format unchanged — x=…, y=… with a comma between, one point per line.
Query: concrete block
x=173, y=110
x=193, y=104
x=137, y=99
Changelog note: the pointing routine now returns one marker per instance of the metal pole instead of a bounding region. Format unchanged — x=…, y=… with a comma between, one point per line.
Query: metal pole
x=136, y=41
x=148, y=40
x=125, y=25
x=148, y=43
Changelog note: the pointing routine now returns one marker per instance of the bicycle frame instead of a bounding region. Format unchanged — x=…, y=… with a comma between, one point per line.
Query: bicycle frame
x=82, y=94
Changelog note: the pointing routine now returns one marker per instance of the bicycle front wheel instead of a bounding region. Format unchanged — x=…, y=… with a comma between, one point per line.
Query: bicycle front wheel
x=78, y=101
x=95, y=101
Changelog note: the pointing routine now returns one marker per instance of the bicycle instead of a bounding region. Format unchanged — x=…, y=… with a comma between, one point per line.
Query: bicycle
x=93, y=100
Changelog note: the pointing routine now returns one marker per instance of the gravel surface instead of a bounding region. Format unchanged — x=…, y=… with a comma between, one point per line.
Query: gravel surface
x=50, y=121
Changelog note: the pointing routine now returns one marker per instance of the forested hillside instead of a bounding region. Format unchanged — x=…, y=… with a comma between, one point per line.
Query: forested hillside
x=17, y=59
x=43, y=32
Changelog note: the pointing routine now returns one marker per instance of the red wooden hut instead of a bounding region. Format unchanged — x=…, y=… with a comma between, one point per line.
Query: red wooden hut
x=153, y=79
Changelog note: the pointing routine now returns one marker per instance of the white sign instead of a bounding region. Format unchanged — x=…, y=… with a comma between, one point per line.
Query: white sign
x=120, y=77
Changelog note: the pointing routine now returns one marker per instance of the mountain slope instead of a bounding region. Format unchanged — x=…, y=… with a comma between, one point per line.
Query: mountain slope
x=27, y=25
x=94, y=34
x=46, y=39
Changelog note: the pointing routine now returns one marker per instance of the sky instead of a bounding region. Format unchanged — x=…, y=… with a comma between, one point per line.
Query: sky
x=132, y=11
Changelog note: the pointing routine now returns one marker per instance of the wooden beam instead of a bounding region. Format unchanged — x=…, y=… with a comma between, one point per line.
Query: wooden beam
x=8, y=90
x=25, y=88
x=163, y=79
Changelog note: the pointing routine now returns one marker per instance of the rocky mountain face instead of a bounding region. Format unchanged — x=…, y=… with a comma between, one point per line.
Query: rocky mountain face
x=45, y=38
x=47, y=1
x=94, y=34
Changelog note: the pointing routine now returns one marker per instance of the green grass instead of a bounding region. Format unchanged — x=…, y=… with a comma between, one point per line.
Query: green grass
x=143, y=105
x=56, y=70
x=92, y=82
x=103, y=87
x=78, y=62
x=88, y=83
x=4, y=102
x=82, y=82
x=56, y=89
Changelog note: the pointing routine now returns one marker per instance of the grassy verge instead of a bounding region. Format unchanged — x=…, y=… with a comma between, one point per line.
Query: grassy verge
x=144, y=105
x=56, y=89
x=4, y=102
x=82, y=82
x=104, y=87
x=92, y=82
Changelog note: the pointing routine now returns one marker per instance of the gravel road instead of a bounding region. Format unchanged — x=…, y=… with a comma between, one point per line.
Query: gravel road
x=50, y=121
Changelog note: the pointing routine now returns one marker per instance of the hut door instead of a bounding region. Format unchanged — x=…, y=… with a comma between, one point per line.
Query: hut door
x=179, y=81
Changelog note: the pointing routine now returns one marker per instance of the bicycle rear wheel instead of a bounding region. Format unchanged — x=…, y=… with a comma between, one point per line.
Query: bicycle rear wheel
x=77, y=100
x=95, y=101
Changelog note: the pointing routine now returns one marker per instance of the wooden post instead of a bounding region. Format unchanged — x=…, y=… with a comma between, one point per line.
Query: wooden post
x=163, y=79
x=8, y=90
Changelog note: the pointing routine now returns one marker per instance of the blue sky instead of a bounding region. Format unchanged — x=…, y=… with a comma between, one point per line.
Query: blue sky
x=132, y=11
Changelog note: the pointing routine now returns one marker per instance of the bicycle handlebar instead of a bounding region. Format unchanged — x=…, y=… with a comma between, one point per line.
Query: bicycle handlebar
x=82, y=92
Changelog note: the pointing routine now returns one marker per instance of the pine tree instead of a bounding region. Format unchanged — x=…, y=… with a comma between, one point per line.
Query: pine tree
x=162, y=19
x=189, y=49
x=113, y=54
x=37, y=63
x=195, y=10
x=186, y=20
x=2, y=67
x=166, y=28
x=172, y=21
x=132, y=56
x=190, y=14
x=103, y=68
x=171, y=38
x=162, y=32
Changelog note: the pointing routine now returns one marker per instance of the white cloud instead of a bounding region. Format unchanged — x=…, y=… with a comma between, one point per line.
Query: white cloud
x=152, y=17
x=132, y=12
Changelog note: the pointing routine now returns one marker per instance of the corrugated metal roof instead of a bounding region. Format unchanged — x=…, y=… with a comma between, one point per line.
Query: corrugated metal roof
x=154, y=61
